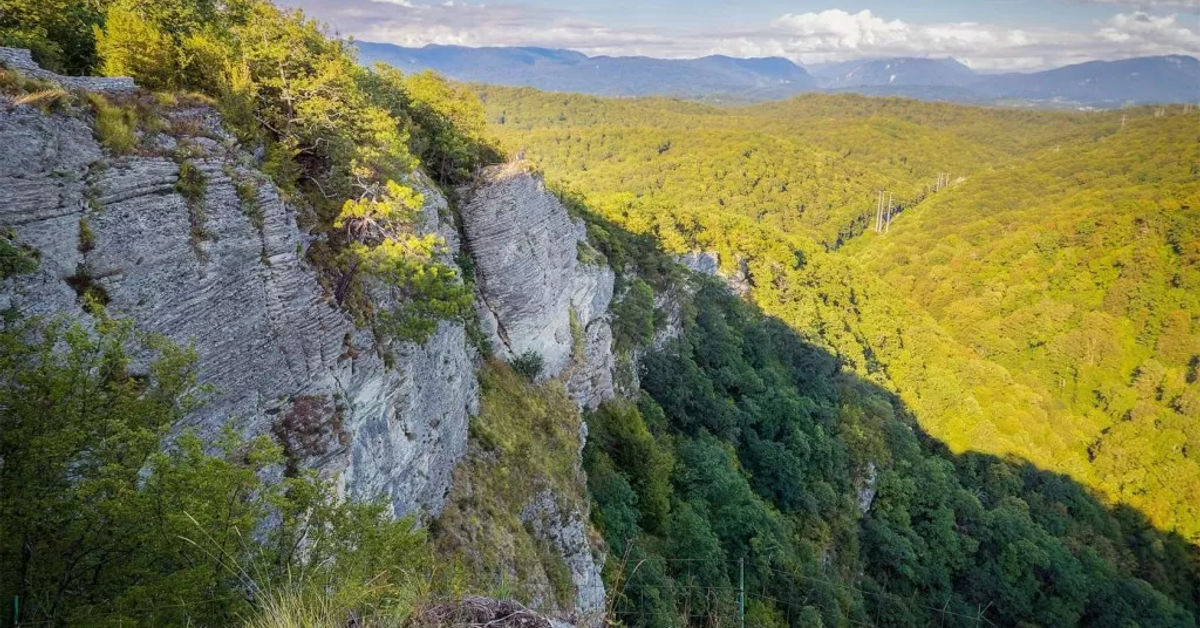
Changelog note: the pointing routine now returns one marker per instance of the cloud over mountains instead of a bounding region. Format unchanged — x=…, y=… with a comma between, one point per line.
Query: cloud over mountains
x=1148, y=27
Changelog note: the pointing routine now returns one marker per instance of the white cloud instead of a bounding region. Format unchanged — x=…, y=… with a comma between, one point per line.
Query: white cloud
x=810, y=37
x=1142, y=31
x=837, y=29
x=1150, y=4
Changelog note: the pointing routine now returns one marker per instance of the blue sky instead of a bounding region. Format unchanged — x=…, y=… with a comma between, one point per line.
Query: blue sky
x=989, y=35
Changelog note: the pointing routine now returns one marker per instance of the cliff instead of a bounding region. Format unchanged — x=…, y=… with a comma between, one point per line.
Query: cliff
x=539, y=292
x=186, y=237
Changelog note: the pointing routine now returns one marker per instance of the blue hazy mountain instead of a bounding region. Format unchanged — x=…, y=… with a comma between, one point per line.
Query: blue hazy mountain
x=1098, y=83
x=898, y=71
x=564, y=70
x=1174, y=78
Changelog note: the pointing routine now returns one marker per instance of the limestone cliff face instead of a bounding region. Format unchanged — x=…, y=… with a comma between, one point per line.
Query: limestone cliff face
x=227, y=276
x=225, y=271
x=535, y=293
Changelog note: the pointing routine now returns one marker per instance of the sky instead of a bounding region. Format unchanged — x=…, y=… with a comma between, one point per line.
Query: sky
x=988, y=35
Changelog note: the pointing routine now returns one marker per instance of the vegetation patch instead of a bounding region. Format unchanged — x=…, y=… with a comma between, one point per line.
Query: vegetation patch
x=192, y=185
x=15, y=258
x=115, y=125
x=522, y=445
x=92, y=497
x=528, y=365
x=48, y=100
x=87, y=237
x=91, y=293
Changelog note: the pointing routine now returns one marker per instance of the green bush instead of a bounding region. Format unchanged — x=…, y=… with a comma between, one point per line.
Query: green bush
x=101, y=524
x=58, y=32
x=528, y=365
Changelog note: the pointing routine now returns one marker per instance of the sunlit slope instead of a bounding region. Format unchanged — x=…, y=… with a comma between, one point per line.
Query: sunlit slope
x=1043, y=306
x=810, y=165
x=1077, y=273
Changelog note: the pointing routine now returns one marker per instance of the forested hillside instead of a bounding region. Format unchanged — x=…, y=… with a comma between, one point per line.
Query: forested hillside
x=986, y=414
x=1042, y=305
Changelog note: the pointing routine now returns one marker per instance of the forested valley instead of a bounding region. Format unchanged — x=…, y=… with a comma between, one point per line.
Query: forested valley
x=943, y=370
x=1027, y=303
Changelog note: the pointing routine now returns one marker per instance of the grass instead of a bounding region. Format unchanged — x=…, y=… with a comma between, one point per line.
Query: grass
x=192, y=185
x=15, y=258
x=246, y=189
x=87, y=237
x=523, y=444
x=115, y=125
x=48, y=100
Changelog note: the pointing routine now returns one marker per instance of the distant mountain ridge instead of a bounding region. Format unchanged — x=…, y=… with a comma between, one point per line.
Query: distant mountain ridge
x=895, y=71
x=566, y=70
x=1141, y=80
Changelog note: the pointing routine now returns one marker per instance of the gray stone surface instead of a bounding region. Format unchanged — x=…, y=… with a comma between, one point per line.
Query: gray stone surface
x=565, y=530
x=21, y=60
x=866, y=488
x=522, y=238
x=703, y=262
x=231, y=279
x=281, y=356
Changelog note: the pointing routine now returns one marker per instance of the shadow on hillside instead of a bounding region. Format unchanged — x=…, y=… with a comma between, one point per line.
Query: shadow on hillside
x=1034, y=531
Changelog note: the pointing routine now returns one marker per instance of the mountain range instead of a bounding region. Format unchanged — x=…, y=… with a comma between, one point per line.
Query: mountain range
x=1139, y=80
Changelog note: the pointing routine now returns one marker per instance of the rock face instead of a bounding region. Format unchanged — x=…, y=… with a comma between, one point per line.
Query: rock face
x=227, y=275
x=20, y=59
x=566, y=532
x=521, y=236
x=866, y=488
x=223, y=268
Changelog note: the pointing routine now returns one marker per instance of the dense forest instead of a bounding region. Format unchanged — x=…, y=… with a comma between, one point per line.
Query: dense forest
x=1042, y=304
x=755, y=454
x=985, y=415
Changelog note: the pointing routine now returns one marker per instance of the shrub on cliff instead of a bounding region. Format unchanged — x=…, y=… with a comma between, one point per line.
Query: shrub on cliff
x=99, y=525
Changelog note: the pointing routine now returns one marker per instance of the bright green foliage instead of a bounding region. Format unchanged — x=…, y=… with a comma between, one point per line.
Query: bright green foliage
x=1042, y=306
x=429, y=291
x=101, y=526
x=385, y=246
x=115, y=125
x=379, y=218
x=450, y=133
x=1077, y=289
x=132, y=45
x=59, y=32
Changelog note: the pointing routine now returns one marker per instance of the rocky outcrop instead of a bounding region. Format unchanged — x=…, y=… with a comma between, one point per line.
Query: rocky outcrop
x=703, y=262
x=565, y=530
x=708, y=263
x=21, y=60
x=537, y=293
x=522, y=238
x=865, y=489
x=216, y=260
x=228, y=276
